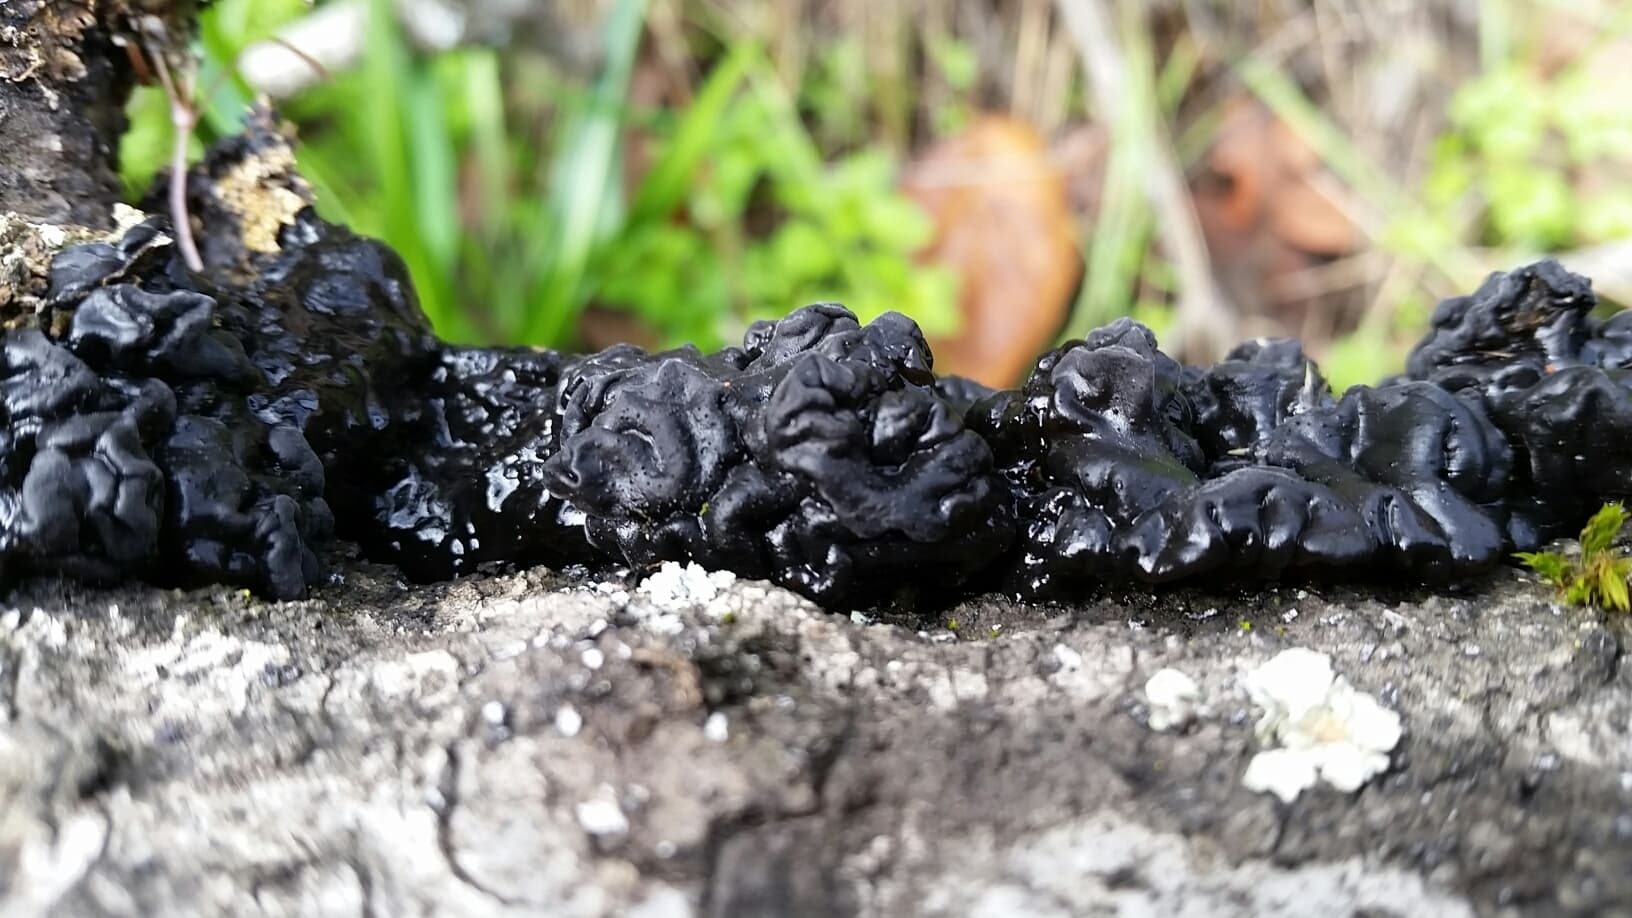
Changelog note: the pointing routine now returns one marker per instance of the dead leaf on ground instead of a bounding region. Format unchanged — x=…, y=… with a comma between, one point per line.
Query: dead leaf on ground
x=1258, y=197
x=1004, y=224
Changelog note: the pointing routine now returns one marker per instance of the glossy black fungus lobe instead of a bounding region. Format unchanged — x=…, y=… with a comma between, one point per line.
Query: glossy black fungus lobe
x=129, y=446
x=190, y=430
x=819, y=454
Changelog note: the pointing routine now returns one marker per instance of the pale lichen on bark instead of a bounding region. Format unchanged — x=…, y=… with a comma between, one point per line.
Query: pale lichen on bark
x=26, y=250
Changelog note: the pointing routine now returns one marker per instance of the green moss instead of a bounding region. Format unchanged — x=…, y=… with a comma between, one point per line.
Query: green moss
x=1599, y=577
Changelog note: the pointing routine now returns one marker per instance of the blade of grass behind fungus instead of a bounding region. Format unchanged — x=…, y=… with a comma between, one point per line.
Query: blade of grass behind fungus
x=666, y=185
x=584, y=184
x=392, y=92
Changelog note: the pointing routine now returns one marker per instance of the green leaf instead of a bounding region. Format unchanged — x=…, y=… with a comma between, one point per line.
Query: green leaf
x=1601, y=530
x=934, y=302
x=1579, y=592
x=1360, y=357
x=957, y=61
x=433, y=169
x=1612, y=589
x=145, y=147
x=898, y=223
x=803, y=252
x=1593, y=116
x=1553, y=567
x=665, y=186
x=1452, y=174
x=225, y=29
x=1504, y=112
x=584, y=182
x=1530, y=205
x=1419, y=234
x=1601, y=577
x=1605, y=216
x=389, y=155
x=482, y=90
x=722, y=194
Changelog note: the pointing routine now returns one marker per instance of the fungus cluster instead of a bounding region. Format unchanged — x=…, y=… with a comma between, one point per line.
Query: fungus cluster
x=164, y=425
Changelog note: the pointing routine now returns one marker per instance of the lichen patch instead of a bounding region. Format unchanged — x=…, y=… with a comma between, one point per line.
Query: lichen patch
x=265, y=193
x=26, y=251
x=39, y=39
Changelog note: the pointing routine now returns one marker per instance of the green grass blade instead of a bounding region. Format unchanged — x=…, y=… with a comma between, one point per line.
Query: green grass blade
x=583, y=191
x=666, y=185
x=433, y=166
x=484, y=102
x=385, y=74
x=1117, y=243
x=387, y=78
x=336, y=194
x=799, y=158
x=1121, y=236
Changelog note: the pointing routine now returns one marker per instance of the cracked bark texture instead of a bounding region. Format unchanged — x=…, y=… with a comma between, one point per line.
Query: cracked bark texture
x=63, y=85
x=521, y=744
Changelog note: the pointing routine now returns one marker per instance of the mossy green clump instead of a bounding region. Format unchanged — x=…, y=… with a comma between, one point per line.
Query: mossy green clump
x=1599, y=576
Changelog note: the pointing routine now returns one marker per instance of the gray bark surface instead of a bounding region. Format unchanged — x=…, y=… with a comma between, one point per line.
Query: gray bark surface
x=522, y=744
x=63, y=87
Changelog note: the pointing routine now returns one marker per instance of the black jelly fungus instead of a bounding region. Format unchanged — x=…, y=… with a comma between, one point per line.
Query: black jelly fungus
x=190, y=429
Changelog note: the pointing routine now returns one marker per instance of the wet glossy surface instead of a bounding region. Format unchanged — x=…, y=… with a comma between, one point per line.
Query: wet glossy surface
x=184, y=432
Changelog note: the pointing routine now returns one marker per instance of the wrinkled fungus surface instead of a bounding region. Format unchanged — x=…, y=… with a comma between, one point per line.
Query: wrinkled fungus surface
x=187, y=428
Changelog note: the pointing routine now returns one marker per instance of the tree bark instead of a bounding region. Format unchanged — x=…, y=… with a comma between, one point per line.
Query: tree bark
x=63, y=86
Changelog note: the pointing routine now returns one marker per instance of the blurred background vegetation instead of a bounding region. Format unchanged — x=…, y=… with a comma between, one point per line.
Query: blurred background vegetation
x=1007, y=172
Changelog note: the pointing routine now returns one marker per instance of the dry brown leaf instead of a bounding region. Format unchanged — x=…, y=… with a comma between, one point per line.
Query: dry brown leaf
x=1261, y=177
x=1308, y=220
x=600, y=328
x=1003, y=223
x=1263, y=213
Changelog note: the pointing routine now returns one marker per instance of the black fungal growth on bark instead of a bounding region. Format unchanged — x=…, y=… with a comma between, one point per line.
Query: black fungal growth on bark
x=188, y=431
x=818, y=455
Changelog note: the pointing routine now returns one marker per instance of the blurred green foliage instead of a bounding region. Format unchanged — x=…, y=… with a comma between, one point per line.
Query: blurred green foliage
x=501, y=181
x=1518, y=142
x=519, y=194
x=689, y=252
x=1532, y=160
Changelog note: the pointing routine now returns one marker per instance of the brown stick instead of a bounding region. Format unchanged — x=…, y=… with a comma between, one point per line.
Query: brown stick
x=184, y=118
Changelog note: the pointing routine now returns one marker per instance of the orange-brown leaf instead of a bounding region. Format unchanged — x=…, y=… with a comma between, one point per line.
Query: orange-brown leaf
x=1003, y=223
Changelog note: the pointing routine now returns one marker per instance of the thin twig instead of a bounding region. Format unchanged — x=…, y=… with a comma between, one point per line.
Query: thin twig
x=1205, y=322
x=183, y=118
x=309, y=60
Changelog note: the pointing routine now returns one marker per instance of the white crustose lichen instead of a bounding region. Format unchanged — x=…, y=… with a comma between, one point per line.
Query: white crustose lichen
x=1321, y=727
